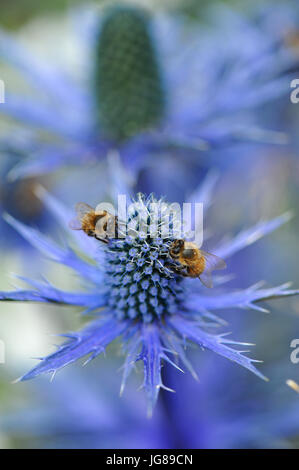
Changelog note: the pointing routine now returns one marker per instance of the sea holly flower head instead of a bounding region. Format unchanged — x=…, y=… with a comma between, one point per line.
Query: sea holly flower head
x=148, y=86
x=135, y=293
x=140, y=263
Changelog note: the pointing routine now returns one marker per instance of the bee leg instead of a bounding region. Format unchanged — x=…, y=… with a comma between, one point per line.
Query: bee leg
x=177, y=269
x=101, y=239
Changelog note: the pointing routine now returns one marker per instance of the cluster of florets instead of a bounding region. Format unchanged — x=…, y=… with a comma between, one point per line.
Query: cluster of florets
x=140, y=273
x=128, y=84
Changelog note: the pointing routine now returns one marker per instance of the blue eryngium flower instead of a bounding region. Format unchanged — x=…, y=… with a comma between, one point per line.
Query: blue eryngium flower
x=18, y=197
x=145, y=87
x=135, y=296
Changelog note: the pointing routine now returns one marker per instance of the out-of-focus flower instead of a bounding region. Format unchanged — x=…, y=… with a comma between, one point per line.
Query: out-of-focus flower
x=281, y=23
x=153, y=87
x=18, y=197
x=135, y=294
x=227, y=408
x=232, y=410
x=79, y=411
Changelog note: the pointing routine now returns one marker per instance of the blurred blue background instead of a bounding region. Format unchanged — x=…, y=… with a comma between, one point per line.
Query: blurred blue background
x=258, y=179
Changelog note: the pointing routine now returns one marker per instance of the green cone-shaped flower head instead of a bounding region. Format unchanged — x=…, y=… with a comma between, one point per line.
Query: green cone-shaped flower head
x=128, y=86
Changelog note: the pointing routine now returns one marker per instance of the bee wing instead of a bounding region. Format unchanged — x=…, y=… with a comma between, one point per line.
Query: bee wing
x=82, y=209
x=75, y=224
x=212, y=262
x=206, y=279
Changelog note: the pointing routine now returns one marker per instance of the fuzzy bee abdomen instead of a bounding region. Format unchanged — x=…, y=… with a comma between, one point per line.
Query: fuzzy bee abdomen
x=197, y=267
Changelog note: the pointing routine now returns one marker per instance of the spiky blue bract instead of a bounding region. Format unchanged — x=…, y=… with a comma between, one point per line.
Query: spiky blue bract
x=213, y=90
x=91, y=341
x=132, y=290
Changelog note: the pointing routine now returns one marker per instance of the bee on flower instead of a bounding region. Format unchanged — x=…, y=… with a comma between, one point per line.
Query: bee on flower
x=136, y=293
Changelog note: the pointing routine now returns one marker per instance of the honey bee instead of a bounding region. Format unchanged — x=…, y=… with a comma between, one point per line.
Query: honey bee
x=194, y=262
x=99, y=224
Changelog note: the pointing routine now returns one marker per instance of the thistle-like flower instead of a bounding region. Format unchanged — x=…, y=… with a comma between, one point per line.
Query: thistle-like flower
x=18, y=197
x=148, y=86
x=135, y=294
